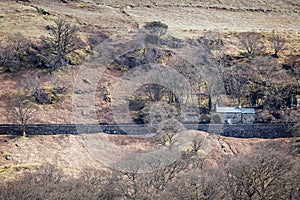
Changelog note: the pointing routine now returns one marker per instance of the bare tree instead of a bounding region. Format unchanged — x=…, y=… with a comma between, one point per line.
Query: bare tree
x=20, y=109
x=48, y=182
x=264, y=173
x=252, y=43
x=278, y=43
x=167, y=131
x=213, y=44
x=296, y=132
x=60, y=84
x=103, y=184
x=5, y=57
x=154, y=92
x=60, y=44
x=194, y=184
x=14, y=55
x=133, y=184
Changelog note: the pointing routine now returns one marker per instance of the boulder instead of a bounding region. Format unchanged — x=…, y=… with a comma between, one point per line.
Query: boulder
x=85, y=80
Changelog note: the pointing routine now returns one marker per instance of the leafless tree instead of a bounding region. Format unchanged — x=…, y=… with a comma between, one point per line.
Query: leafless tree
x=213, y=44
x=161, y=176
x=194, y=184
x=133, y=184
x=60, y=44
x=105, y=184
x=154, y=92
x=197, y=143
x=264, y=173
x=278, y=43
x=296, y=132
x=20, y=109
x=167, y=131
x=48, y=182
x=13, y=56
x=41, y=184
x=252, y=43
x=292, y=62
x=5, y=56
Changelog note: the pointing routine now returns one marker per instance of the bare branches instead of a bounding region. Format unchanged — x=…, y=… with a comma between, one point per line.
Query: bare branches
x=155, y=92
x=60, y=44
x=278, y=43
x=167, y=132
x=20, y=109
x=251, y=42
x=19, y=106
x=13, y=56
x=263, y=174
x=268, y=172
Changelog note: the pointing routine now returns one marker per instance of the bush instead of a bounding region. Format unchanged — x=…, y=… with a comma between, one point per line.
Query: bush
x=156, y=28
x=204, y=119
x=137, y=105
x=217, y=119
x=17, y=54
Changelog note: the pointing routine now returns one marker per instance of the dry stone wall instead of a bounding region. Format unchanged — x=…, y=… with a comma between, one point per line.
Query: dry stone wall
x=274, y=130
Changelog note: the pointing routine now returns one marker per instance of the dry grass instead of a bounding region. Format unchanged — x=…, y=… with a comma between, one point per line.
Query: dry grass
x=18, y=17
x=12, y=171
x=73, y=153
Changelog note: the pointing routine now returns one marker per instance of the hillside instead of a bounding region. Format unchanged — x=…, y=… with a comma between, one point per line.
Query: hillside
x=72, y=153
x=48, y=166
x=157, y=63
x=97, y=21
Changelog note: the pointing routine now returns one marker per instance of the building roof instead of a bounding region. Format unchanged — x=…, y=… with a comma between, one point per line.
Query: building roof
x=235, y=110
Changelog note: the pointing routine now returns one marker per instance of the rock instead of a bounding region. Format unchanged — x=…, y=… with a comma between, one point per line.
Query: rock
x=44, y=12
x=193, y=42
x=41, y=10
x=107, y=98
x=8, y=157
x=84, y=113
x=48, y=27
x=78, y=91
x=42, y=97
x=85, y=80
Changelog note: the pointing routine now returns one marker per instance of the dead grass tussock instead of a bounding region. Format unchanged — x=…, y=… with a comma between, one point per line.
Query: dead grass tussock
x=12, y=171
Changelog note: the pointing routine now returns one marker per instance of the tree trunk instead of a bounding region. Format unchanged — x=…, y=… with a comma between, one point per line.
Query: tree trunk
x=23, y=130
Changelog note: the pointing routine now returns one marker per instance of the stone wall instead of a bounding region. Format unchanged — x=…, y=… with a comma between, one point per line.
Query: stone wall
x=233, y=130
x=279, y=130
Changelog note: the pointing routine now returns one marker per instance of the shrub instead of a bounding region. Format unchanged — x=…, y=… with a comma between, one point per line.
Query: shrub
x=156, y=28
x=216, y=118
x=252, y=43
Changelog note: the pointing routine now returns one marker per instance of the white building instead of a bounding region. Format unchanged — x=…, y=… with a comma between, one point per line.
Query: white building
x=236, y=115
